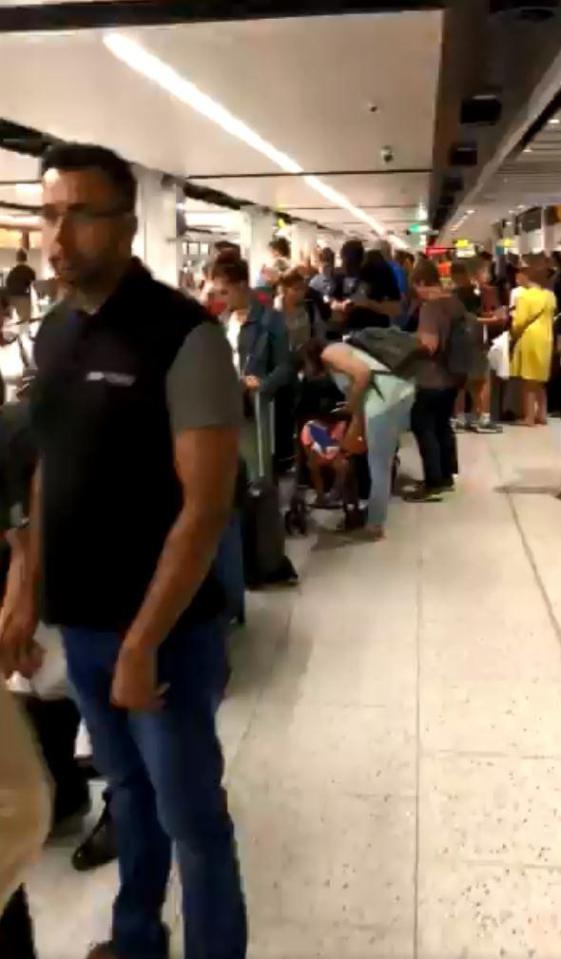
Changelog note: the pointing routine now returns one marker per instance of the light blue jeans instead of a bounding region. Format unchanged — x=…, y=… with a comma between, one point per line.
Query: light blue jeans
x=383, y=429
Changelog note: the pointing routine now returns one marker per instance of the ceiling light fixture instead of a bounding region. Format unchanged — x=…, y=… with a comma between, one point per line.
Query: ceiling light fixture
x=168, y=79
x=554, y=122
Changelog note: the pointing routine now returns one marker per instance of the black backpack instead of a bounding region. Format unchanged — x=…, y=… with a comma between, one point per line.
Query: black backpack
x=462, y=350
x=398, y=351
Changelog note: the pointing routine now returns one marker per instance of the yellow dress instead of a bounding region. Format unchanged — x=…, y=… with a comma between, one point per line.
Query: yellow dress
x=531, y=359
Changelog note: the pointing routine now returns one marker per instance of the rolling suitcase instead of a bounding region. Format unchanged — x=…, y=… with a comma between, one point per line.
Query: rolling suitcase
x=265, y=561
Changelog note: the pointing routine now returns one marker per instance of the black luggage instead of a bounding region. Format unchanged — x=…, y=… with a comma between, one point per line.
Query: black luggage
x=264, y=556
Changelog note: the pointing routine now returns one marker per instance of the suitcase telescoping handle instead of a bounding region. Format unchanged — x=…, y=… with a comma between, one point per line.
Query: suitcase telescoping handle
x=264, y=423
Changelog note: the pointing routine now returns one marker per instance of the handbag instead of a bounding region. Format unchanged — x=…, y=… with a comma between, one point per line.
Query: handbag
x=499, y=356
x=50, y=682
x=516, y=337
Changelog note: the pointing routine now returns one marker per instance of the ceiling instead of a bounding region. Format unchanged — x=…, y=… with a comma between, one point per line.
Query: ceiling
x=529, y=177
x=305, y=85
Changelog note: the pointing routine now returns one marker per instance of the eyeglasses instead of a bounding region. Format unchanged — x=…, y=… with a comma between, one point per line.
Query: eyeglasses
x=81, y=216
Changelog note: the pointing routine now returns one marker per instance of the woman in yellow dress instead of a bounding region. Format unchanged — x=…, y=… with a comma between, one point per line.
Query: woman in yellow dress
x=532, y=332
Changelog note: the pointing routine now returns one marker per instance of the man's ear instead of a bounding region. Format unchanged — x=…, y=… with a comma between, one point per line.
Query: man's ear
x=133, y=221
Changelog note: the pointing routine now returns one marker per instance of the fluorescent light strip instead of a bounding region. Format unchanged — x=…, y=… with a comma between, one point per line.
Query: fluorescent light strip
x=151, y=67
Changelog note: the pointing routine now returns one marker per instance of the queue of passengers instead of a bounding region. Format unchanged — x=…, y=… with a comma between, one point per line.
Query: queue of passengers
x=287, y=339
x=295, y=327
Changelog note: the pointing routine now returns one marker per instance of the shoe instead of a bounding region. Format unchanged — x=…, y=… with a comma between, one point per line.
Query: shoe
x=106, y=950
x=424, y=494
x=369, y=534
x=459, y=426
x=486, y=427
x=99, y=847
x=448, y=487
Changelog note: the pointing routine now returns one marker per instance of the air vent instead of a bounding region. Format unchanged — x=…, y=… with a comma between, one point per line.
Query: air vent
x=463, y=154
x=483, y=109
x=530, y=11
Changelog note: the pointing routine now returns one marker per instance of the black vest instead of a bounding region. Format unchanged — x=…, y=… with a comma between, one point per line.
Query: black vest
x=110, y=492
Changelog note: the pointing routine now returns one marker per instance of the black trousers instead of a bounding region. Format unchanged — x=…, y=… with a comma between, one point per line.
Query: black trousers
x=430, y=422
x=56, y=725
x=16, y=930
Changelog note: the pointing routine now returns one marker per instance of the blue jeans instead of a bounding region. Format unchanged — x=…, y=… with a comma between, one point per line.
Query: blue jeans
x=165, y=772
x=228, y=567
x=382, y=434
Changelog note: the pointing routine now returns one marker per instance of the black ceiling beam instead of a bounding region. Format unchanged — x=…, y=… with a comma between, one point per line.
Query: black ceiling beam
x=140, y=13
x=275, y=174
x=19, y=207
x=363, y=206
x=19, y=182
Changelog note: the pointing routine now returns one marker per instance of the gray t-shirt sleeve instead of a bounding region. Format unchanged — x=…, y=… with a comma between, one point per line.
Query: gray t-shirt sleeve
x=203, y=389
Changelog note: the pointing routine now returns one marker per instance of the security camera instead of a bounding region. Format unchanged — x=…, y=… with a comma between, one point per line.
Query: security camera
x=386, y=154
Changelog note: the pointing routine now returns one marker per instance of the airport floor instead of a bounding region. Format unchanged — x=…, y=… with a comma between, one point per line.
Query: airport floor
x=393, y=736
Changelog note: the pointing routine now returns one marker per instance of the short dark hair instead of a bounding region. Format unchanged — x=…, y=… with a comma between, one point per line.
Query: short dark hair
x=327, y=255
x=86, y=156
x=353, y=251
x=460, y=272
x=425, y=274
x=292, y=278
x=312, y=353
x=225, y=246
x=280, y=245
x=229, y=268
x=21, y=256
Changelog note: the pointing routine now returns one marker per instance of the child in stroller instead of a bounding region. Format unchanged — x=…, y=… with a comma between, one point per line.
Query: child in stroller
x=323, y=458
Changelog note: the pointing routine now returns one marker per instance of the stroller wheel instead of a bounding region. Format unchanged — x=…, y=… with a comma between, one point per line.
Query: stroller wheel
x=302, y=524
x=296, y=519
x=354, y=519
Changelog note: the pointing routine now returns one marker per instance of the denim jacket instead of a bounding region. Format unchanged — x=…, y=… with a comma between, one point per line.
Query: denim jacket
x=264, y=348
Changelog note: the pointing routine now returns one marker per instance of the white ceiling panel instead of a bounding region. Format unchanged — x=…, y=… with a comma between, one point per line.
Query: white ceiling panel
x=305, y=85
x=16, y=166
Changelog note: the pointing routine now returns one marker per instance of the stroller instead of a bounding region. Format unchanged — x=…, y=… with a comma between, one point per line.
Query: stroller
x=321, y=423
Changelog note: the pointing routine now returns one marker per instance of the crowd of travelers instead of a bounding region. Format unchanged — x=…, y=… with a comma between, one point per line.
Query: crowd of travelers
x=144, y=434
x=294, y=340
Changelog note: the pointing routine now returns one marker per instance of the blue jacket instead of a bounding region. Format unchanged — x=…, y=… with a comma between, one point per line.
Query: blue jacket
x=264, y=348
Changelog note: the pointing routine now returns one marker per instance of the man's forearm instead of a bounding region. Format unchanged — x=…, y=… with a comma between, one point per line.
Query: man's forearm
x=35, y=552
x=18, y=572
x=184, y=562
x=389, y=308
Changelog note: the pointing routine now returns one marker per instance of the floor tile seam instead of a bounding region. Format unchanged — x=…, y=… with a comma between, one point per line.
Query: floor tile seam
x=427, y=753
x=418, y=639
x=282, y=634
x=515, y=865
x=527, y=549
x=388, y=796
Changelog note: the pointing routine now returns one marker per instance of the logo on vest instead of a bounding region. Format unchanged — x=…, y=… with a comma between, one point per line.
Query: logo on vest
x=114, y=379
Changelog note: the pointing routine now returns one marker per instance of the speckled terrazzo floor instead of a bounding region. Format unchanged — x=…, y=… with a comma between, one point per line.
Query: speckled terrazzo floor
x=393, y=736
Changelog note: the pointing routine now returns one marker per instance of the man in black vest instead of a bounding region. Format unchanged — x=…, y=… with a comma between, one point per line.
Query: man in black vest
x=136, y=409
